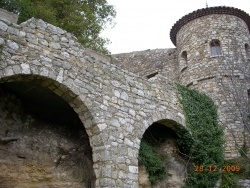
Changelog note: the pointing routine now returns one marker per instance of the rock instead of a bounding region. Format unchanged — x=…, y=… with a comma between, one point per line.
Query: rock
x=12, y=45
x=144, y=178
x=55, y=45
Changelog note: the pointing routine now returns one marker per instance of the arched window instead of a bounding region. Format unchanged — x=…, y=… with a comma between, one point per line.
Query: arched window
x=183, y=61
x=215, y=48
x=247, y=51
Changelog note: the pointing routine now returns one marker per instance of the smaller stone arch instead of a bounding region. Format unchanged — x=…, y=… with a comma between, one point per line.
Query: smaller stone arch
x=215, y=48
x=162, y=136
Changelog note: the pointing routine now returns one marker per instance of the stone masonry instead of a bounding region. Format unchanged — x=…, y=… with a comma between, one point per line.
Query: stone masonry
x=116, y=105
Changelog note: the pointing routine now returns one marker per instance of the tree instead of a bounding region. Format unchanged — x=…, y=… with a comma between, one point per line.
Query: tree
x=84, y=18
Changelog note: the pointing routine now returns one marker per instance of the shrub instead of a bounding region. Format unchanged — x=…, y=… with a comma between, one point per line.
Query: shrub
x=152, y=161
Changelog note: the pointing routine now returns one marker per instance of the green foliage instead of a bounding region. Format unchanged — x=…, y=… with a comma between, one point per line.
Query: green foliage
x=84, y=18
x=203, y=143
x=149, y=157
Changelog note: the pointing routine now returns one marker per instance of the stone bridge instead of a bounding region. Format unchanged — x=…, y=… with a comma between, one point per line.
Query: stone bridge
x=114, y=105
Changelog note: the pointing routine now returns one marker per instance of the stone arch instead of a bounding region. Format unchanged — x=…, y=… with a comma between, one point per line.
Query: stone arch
x=170, y=122
x=171, y=116
x=76, y=101
x=167, y=142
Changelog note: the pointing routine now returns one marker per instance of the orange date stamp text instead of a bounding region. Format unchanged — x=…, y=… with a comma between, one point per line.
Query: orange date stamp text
x=214, y=168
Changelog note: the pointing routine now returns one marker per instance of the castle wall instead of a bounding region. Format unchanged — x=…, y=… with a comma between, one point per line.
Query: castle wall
x=114, y=105
x=148, y=62
x=222, y=77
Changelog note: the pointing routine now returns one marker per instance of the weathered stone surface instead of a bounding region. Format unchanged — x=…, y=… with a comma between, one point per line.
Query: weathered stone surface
x=55, y=45
x=12, y=45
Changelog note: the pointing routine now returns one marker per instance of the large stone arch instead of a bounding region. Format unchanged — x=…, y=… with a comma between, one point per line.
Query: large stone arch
x=66, y=93
x=78, y=102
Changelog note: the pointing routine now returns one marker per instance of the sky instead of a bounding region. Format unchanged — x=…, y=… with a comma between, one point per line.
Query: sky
x=146, y=24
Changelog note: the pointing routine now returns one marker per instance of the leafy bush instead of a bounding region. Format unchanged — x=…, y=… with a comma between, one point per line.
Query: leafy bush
x=203, y=142
x=152, y=161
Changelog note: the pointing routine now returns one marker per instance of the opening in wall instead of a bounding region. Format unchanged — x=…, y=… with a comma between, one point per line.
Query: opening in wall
x=183, y=61
x=247, y=51
x=152, y=75
x=215, y=48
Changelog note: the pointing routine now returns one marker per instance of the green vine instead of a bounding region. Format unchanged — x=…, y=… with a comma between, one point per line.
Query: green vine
x=203, y=142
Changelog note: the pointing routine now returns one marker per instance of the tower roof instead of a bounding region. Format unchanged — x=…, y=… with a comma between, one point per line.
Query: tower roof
x=207, y=11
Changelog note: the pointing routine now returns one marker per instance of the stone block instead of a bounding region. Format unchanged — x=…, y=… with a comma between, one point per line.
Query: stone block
x=4, y=14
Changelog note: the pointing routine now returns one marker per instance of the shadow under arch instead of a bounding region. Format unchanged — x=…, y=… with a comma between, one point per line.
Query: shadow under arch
x=173, y=126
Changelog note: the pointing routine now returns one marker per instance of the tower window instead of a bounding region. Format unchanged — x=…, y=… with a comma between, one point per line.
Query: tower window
x=247, y=51
x=183, y=61
x=215, y=48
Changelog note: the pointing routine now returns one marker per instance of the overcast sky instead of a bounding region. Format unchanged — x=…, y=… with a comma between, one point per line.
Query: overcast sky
x=145, y=24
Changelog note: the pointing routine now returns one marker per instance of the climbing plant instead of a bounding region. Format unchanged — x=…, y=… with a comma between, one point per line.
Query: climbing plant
x=203, y=142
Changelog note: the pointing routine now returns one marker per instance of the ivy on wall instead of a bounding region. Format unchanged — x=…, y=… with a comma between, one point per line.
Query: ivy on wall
x=203, y=142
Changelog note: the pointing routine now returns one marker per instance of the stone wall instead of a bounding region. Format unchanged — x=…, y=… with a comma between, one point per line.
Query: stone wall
x=114, y=105
x=148, y=62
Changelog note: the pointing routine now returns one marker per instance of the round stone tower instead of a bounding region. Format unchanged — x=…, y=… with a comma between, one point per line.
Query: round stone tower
x=213, y=57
